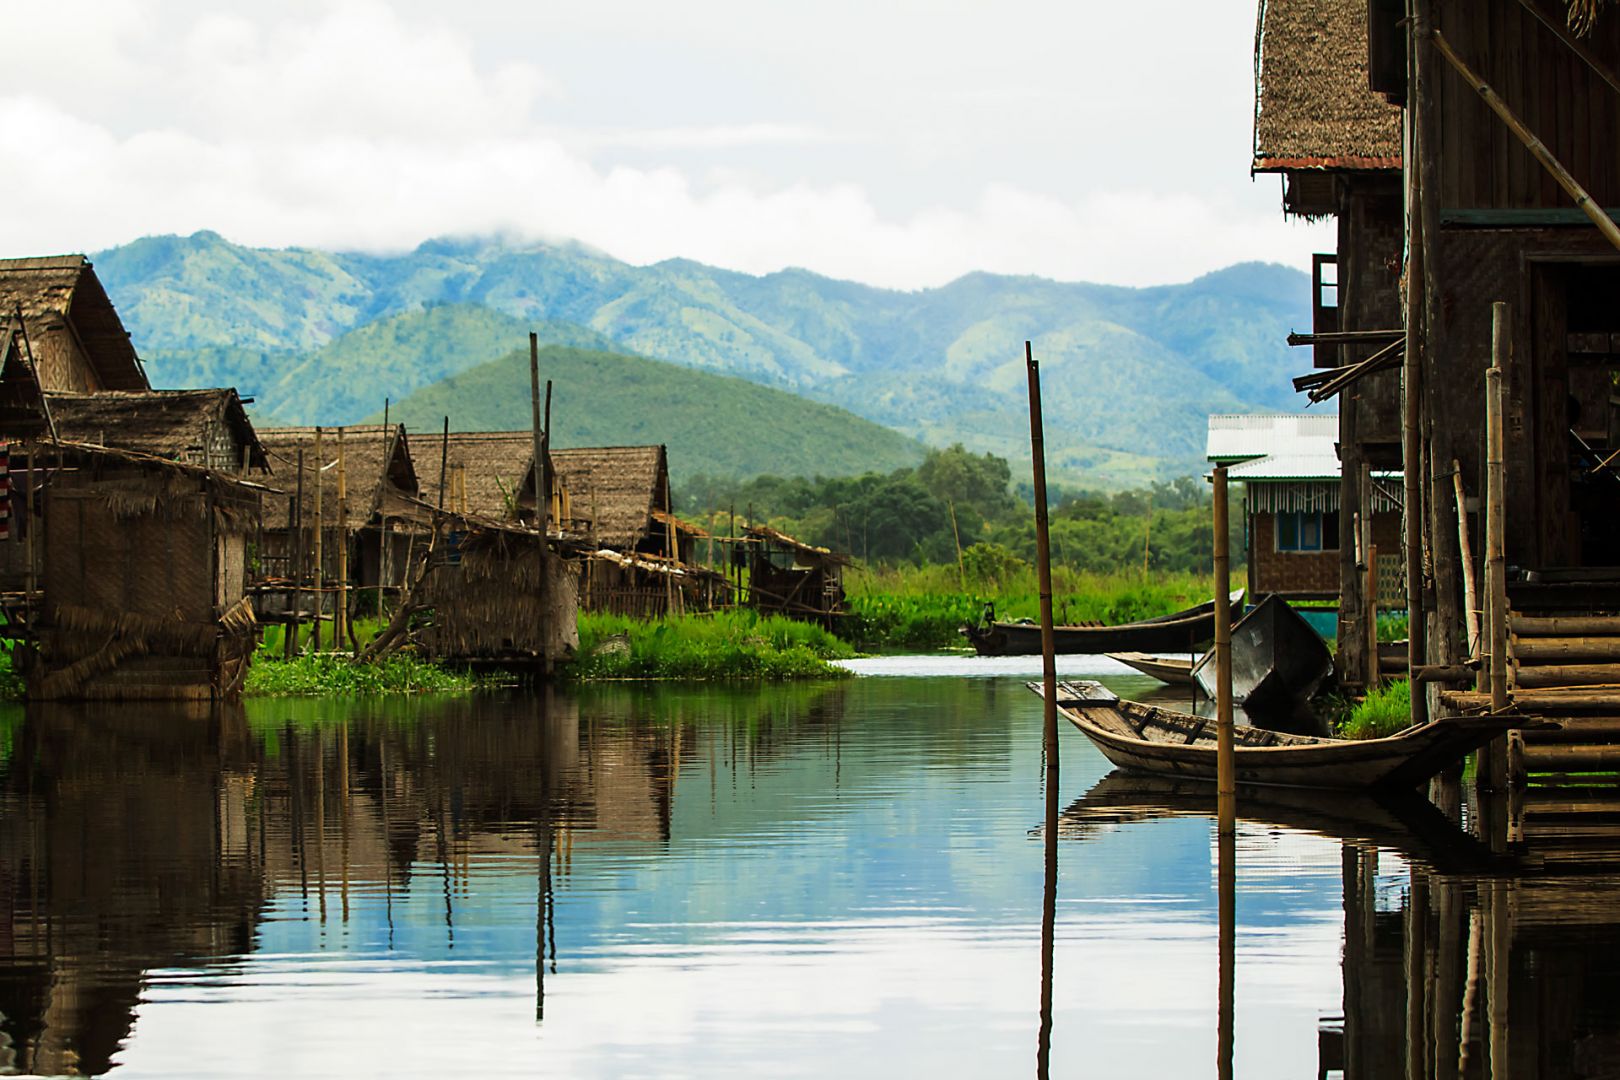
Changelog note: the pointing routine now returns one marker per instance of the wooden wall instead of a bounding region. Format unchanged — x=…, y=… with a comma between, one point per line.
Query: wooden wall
x=1482, y=165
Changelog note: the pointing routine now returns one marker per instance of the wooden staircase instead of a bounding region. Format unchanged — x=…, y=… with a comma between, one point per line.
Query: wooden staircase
x=1564, y=668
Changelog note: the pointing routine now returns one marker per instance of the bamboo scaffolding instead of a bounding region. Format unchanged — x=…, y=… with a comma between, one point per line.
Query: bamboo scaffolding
x=320, y=563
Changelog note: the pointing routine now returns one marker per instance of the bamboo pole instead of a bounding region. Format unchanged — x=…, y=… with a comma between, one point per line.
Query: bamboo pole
x=1466, y=549
x=1375, y=678
x=1492, y=763
x=1226, y=915
x=320, y=566
x=1043, y=565
x=295, y=518
x=340, y=614
x=1537, y=148
x=542, y=490
x=961, y=567
x=444, y=460
x=1411, y=416
x=1225, y=759
x=1049, y=743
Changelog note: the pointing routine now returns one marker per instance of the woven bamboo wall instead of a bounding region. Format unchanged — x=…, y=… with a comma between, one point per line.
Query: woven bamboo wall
x=1307, y=573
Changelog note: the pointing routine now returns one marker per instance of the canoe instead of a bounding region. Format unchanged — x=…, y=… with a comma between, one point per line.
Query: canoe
x=1395, y=820
x=1181, y=631
x=1168, y=669
x=1145, y=738
x=1278, y=661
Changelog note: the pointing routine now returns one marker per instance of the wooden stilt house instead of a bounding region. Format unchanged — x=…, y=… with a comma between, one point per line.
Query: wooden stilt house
x=145, y=579
x=792, y=578
x=640, y=559
x=365, y=504
x=1335, y=143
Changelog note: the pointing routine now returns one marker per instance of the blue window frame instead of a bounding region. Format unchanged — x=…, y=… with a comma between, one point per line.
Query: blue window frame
x=1307, y=530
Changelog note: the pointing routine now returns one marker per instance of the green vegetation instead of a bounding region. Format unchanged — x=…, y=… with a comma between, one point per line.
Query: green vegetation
x=336, y=675
x=711, y=423
x=922, y=607
x=1130, y=374
x=1384, y=711
x=723, y=645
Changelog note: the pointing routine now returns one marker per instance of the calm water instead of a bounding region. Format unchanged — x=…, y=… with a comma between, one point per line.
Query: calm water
x=835, y=879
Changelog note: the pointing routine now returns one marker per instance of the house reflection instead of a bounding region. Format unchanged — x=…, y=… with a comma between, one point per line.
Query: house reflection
x=1458, y=962
x=138, y=839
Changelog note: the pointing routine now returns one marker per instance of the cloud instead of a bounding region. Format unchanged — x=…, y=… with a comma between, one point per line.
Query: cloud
x=357, y=129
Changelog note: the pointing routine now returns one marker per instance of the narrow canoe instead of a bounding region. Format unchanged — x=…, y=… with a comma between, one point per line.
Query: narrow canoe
x=1145, y=738
x=1181, y=631
x=1168, y=669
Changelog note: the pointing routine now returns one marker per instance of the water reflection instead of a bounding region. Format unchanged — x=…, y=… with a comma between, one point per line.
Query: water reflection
x=840, y=878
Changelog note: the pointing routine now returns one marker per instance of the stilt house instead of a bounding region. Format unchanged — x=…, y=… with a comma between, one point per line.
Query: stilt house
x=1289, y=467
x=792, y=578
x=1335, y=142
x=369, y=524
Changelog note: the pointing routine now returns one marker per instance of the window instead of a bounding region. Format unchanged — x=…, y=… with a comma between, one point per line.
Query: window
x=1307, y=530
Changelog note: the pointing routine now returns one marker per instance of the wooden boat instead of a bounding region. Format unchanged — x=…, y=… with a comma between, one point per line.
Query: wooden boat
x=1145, y=738
x=1167, y=669
x=1277, y=659
x=1393, y=819
x=1180, y=631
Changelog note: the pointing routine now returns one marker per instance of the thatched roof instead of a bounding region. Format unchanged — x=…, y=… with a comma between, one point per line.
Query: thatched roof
x=491, y=464
x=374, y=455
x=22, y=404
x=617, y=488
x=1312, y=105
x=64, y=289
x=180, y=425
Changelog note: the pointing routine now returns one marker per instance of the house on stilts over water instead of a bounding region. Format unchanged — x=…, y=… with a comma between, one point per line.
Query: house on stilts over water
x=1473, y=339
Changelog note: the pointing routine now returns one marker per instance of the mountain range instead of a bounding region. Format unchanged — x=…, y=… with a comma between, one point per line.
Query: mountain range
x=324, y=337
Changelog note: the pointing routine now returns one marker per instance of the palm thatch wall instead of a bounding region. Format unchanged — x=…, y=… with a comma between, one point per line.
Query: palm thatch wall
x=145, y=576
x=495, y=600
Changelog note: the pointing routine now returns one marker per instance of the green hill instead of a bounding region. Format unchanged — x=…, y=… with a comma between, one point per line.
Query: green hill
x=712, y=424
x=1131, y=374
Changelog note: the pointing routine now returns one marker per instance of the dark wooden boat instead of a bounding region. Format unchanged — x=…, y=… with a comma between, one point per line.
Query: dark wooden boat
x=1167, y=669
x=1145, y=738
x=1396, y=820
x=1277, y=659
x=1181, y=631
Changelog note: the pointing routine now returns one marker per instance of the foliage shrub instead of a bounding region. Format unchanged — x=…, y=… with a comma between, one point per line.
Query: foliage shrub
x=1384, y=711
x=722, y=645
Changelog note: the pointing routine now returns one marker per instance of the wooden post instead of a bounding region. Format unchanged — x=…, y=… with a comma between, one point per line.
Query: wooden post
x=542, y=491
x=295, y=519
x=1375, y=677
x=1493, y=764
x=1411, y=397
x=1226, y=916
x=961, y=567
x=1225, y=759
x=1466, y=550
x=340, y=614
x=30, y=547
x=320, y=565
x=1043, y=566
x=444, y=460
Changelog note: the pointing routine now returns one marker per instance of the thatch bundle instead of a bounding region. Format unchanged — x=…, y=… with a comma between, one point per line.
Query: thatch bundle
x=490, y=604
x=1313, y=107
x=1583, y=15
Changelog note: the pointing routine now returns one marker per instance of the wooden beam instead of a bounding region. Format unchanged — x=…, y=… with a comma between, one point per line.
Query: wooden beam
x=1538, y=150
x=1411, y=397
x=1346, y=337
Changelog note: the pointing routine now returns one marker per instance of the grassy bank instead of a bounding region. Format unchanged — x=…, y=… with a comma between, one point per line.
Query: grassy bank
x=723, y=645
x=1384, y=711
x=333, y=675
x=922, y=607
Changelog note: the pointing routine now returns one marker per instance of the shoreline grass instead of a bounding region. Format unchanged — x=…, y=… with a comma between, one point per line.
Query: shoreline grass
x=722, y=645
x=336, y=675
x=925, y=606
x=1384, y=711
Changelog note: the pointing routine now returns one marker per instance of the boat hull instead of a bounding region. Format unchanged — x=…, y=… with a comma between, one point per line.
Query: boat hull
x=1278, y=660
x=1167, y=669
x=1183, y=631
x=1148, y=739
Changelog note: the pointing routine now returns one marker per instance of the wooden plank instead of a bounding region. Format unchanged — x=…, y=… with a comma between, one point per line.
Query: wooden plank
x=1578, y=729
x=1571, y=758
x=1549, y=701
x=1565, y=625
x=1565, y=649
x=1550, y=675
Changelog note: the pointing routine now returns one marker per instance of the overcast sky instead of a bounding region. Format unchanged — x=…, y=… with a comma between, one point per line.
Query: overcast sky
x=894, y=142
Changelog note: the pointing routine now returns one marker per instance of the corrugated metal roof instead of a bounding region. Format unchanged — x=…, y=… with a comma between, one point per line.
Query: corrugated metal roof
x=1243, y=436
x=1287, y=467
